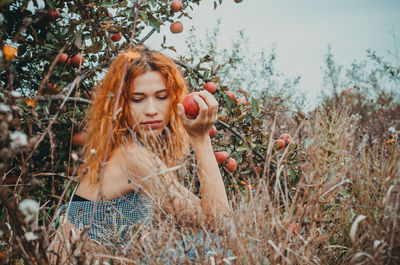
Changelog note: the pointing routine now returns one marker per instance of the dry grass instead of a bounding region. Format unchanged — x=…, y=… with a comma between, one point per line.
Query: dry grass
x=344, y=177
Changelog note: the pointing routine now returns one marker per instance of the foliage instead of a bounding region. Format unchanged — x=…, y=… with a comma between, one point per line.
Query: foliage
x=294, y=205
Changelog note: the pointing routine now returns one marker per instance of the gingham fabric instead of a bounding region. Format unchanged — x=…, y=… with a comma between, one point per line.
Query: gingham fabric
x=113, y=220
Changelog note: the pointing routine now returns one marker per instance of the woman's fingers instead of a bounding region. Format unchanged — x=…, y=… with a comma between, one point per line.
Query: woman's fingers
x=181, y=114
x=208, y=106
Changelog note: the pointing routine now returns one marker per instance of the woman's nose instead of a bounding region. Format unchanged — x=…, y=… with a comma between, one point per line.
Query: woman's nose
x=151, y=108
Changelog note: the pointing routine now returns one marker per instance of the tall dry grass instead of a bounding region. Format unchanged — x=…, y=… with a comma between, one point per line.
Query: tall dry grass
x=344, y=209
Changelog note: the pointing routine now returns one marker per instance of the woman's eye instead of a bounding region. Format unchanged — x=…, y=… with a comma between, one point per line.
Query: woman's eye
x=164, y=97
x=137, y=99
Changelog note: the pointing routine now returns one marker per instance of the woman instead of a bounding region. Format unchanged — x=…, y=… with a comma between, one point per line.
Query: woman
x=149, y=141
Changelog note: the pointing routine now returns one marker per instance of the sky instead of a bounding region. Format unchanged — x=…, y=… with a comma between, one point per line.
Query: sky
x=300, y=31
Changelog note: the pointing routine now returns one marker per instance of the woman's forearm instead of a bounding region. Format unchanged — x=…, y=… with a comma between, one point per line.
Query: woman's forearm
x=212, y=189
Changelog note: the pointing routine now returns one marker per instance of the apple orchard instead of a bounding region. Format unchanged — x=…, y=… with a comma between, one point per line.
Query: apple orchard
x=286, y=173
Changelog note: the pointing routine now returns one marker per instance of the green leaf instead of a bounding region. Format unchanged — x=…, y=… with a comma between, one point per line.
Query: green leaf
x=153, y=22
x=206, y=74
x=241, y=148
x=24, y=5
x=144, y=16
x=228, y=101
x=108, y=4
x=254, y=106
x=193, y=82
x=52, y=5
x=292, y=174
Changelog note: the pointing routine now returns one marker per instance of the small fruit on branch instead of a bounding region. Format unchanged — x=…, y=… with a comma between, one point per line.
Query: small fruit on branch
x=79, y=138
x=286, y=137
x=221, y=156
x=53, y=14
x=230, y=94
x=241, y=100
x=278, y=144
x=116, y=37
x=210, y=87
x=176, y=27
x=64, y=58
x=77, y=59
x=213, y=132
x=176, y=5
x=231, y=164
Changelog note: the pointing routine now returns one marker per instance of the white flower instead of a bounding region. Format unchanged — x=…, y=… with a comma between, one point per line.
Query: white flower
x=30, y=236
x=4, y=107
x=392, y=130
x=29, y=209
x=18, y=139
x=354, y=226
x=74, y=156
x=92, y=151
x=15, y=94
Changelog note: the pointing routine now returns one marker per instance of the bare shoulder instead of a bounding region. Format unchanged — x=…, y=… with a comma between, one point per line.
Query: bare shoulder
x=139, y=157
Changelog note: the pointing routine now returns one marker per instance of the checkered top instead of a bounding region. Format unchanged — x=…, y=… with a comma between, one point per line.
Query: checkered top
x=114, y=220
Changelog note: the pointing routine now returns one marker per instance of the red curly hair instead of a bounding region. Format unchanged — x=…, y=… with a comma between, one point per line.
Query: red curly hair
x=99, y=116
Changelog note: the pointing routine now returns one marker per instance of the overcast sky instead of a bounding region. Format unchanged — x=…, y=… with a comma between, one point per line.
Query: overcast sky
x=300, y=30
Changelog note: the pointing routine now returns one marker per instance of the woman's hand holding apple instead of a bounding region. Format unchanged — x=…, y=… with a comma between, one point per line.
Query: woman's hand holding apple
x=198, y=126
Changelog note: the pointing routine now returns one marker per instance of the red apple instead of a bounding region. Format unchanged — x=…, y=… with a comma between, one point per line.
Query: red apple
x=213, y=132
x=210, y=87
x=231, y=95
x=79, y=138
x=238, y=1
x=176, y=5
x=221, y=156
x=241, y=100
x=278, y=144
x=231, y=164
x=77, y=59
x=190, y=105
x=176, y=27
x=64, y=57
x=116, y=36
x=286, y=137
x=53, y=14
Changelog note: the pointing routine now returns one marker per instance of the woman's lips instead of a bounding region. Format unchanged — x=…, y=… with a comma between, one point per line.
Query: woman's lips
x=152, y=124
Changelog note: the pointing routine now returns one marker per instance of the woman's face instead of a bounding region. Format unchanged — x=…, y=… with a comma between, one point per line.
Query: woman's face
x=150, y=103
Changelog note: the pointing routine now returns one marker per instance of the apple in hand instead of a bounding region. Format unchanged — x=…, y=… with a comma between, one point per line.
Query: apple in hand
x=231, y=164
x=210, y=87
x=221, y=156
x=191, y=107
